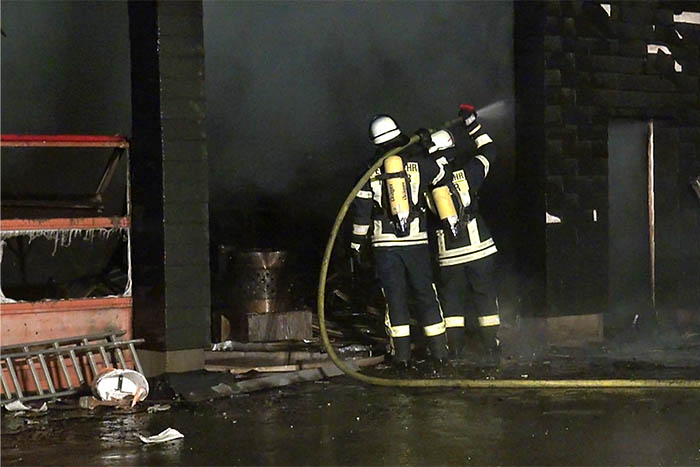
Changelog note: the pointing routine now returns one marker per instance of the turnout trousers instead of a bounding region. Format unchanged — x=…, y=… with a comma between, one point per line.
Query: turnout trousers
x=403, y=272
x=469, y=299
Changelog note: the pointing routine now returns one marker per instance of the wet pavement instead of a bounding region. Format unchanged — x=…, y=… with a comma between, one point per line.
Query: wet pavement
x=345, y=422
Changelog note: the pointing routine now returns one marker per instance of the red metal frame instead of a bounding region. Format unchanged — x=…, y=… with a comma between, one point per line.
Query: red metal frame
x=53, y=319
x=63, y=305
x=24, y=322
x=68, y=223
x=98, y=141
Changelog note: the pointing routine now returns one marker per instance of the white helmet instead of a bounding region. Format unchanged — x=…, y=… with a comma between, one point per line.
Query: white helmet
x=383, y=128
x=442, y=139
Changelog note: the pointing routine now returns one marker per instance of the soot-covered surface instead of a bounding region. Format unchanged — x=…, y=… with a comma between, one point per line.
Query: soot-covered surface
x=343, y=422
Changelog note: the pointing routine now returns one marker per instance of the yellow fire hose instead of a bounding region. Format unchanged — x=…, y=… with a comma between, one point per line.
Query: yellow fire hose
x=451, y=382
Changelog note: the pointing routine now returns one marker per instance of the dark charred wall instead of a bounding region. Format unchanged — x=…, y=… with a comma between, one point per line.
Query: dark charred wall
x=169, y=176
x=593, y=67
x=530, y=79
x=291, y=89
x=65, y=67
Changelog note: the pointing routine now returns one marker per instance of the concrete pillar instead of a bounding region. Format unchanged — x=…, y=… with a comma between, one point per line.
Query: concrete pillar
x=169, y=185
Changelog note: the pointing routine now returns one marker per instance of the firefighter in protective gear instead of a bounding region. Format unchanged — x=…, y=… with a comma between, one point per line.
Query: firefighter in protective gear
x=467, y=262
x=442, y=201
x=389, y=212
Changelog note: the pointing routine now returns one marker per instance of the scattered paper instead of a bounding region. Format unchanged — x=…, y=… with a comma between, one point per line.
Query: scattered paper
x=17, y=406
x=223, y=389
x=164, y=436
x=222, y=346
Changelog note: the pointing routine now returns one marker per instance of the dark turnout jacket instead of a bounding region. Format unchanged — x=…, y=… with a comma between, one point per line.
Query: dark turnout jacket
x=468, y=166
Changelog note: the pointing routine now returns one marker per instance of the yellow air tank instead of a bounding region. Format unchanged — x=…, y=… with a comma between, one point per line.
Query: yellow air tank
x=446, y=209
x=398, y=193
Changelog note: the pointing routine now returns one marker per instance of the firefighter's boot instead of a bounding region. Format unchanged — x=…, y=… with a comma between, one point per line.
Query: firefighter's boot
x=402, y=351
x=491, y=352
x=456, y=342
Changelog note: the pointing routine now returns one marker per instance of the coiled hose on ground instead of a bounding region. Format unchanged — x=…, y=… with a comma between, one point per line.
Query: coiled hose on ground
x=452, y=382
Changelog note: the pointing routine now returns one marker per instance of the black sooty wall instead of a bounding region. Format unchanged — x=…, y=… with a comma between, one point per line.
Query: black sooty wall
x=580, y=68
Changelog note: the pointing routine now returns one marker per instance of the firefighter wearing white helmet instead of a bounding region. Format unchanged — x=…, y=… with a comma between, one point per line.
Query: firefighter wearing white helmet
x=383, y=128
x=467, y=262
x=389, y=212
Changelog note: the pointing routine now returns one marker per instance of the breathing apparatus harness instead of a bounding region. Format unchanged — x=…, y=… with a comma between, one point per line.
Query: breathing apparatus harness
x=402, y=210
x=450, y=382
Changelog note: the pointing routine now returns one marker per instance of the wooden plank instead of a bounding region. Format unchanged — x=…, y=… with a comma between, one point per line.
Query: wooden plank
x=229, y=346
x=237, y=370
x=291, y=325
x=360, y=362
x=280, y=356
x=327, y=370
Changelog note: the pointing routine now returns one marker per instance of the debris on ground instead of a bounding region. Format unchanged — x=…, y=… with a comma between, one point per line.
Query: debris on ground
x=169, y=434
x=244, y=366
x=249, y=367
x=223, y=389
x=115, y=384
x=18, y=406
x=229, y=346
x=158, y=408
x=355, y=349
x=355, y=328
x=61, y=367
x=328, y=370
x=249, y=360
x=91, y=402
x=269, y=377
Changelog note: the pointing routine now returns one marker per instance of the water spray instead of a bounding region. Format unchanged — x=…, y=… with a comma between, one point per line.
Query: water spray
x=496, y=110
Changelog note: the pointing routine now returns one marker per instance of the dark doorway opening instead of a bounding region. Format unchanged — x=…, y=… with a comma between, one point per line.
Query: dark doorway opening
x=631, y=232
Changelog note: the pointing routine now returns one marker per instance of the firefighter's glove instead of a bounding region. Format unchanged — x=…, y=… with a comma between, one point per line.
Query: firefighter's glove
x=425, y=140
x=468, y=113
x=454, y=227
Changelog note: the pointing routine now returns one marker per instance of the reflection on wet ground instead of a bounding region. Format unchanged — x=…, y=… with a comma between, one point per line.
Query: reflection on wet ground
x=342, y=421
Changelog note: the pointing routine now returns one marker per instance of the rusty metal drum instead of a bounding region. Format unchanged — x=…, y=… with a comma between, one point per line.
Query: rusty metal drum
x=260, y=281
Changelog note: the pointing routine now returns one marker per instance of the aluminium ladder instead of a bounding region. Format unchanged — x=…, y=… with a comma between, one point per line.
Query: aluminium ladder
x=20, y=362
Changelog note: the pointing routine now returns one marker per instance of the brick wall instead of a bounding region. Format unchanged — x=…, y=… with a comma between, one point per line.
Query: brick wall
x=576, y=68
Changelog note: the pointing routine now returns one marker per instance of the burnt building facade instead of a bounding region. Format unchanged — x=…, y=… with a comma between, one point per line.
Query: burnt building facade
x=608, y=142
